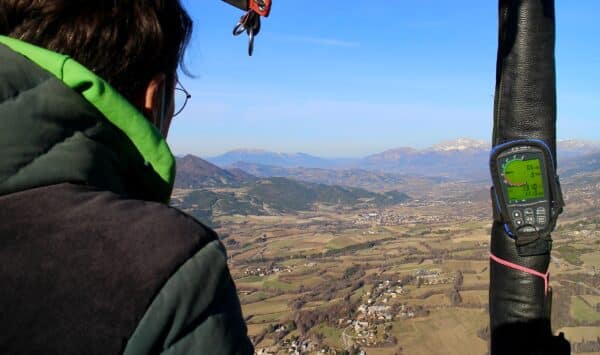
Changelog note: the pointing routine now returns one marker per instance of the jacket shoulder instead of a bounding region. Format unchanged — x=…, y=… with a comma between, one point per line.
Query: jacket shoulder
x=99, y=259
x=196, y=312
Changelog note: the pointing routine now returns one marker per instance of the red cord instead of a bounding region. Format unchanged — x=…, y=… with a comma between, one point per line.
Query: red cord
x=545, y=276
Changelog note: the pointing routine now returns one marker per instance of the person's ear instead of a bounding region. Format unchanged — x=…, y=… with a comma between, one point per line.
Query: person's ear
x=155, y=101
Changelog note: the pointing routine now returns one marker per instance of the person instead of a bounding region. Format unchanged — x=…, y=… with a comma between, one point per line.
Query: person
x=94, y=261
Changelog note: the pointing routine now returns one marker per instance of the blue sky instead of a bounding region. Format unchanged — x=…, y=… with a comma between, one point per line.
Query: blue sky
x=376, y=75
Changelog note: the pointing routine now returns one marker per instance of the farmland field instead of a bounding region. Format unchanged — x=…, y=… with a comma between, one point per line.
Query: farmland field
x=410, y=278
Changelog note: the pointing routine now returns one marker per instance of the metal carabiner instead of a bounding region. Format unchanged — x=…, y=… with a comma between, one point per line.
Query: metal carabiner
x=241, y=25
x=250, y=42
x=249, y=23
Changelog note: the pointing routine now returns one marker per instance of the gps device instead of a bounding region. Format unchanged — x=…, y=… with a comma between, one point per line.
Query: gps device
x=526, y=189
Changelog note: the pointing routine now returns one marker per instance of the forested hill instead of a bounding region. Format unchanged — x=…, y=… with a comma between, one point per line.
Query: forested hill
x=277, y=196
x=194, y=172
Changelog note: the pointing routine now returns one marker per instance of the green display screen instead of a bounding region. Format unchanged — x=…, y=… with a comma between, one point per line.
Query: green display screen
x=524, y=181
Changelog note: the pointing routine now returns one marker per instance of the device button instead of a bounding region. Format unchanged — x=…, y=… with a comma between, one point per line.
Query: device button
x=541, y=219
x=518, y=221
x=540, y=211
x=528, y=212
x=529, y=219
x=516, y=214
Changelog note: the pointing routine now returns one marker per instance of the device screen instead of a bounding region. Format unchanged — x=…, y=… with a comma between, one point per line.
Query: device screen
x=523, y=179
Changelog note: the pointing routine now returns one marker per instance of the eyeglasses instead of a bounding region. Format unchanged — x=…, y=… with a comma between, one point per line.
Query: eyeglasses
x=181, y=98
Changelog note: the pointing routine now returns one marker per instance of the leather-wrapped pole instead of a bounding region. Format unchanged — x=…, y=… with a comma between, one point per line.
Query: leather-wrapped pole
x=525, y=100
x=524, y=107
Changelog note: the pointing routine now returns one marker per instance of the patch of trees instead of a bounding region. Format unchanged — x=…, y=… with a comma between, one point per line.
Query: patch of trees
x=410, y=250
x=454, y=292
x=458, y=280
x=274, y=291
x=418, y=259
x=429, y=293
x=426, y=246
x=420, y=311
x=476, y=255
x=305, y=320
x=287, y=328
x=329, y=253
x=232, y=243
x=277, y=331
x=355, y=247
x=441, y=231
x=356, y=285
x=484, y=333
x=439, y=255
x=586, y=346
x=297, y=303
x=261, y=239
x=454, y=296
x=328, y=290
x=352, y=271
x=223, y=235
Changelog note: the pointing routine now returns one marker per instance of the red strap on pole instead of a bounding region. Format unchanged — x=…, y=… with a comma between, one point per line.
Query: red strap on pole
x=261, y=7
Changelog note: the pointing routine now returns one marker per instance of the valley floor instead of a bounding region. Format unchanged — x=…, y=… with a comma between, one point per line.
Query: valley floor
x=408, y=279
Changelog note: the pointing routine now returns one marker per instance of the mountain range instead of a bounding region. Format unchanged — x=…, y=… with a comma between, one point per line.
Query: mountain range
x=249, y=188
x=287, y=160
x=463, y=158
x=196, y=173
x=361, y=178
x=580, y=164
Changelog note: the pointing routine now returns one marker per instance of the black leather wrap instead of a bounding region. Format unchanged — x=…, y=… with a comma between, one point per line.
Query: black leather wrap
x=524, y=107
x=240, y=4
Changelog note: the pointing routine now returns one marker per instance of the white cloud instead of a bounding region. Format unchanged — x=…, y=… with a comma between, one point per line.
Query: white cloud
x=321, y=41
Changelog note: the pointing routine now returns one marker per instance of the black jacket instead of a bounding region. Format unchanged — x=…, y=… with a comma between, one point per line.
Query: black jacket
x=93, y=259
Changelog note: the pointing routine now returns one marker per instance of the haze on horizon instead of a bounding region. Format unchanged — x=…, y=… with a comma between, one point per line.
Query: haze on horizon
x=349, y=82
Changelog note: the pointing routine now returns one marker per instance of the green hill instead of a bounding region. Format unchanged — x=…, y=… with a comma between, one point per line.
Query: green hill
x=289, y=195
x=275, y=196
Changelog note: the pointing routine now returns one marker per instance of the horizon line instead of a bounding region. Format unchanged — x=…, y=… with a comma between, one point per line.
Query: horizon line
x=592, y=142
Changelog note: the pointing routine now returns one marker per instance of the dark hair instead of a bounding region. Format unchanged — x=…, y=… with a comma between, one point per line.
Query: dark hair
x=126, y=42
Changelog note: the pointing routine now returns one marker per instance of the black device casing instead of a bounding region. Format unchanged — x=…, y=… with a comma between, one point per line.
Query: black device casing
x=530, y=239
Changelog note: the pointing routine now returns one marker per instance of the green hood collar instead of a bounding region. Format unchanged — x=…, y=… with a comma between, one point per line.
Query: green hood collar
x=115, y=108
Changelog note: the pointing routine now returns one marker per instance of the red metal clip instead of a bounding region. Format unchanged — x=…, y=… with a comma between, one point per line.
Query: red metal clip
x=261, y=7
